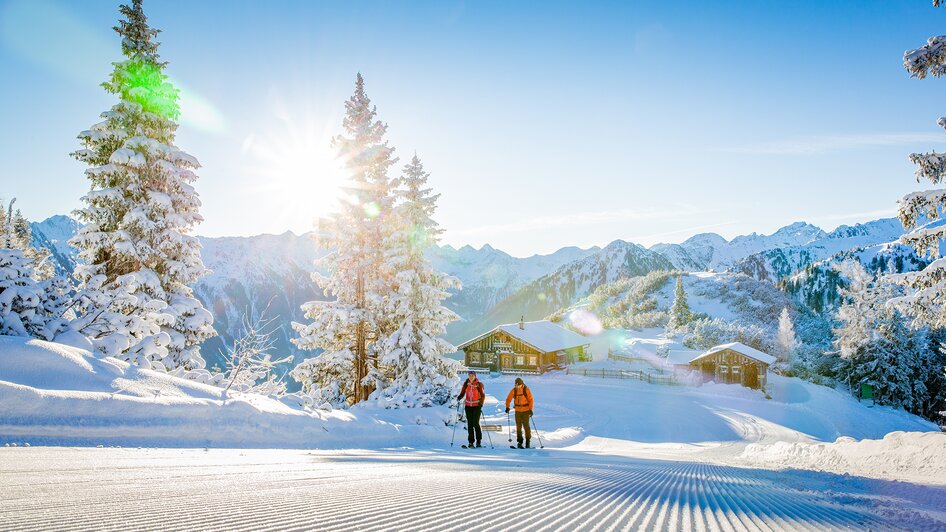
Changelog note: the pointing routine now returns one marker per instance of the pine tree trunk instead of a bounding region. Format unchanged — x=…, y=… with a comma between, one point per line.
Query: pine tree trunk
x=360, y=367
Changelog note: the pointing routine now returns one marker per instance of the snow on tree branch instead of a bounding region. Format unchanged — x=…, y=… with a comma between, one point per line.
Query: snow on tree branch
x=251, y=367
x=929, y=59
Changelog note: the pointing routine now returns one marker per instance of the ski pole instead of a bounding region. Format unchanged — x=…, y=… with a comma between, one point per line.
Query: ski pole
x=455, y=423
x=508, y=426
x=537, y=433
x=487, y=434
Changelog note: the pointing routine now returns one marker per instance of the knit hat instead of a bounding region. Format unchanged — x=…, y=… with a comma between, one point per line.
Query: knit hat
x=519, y=381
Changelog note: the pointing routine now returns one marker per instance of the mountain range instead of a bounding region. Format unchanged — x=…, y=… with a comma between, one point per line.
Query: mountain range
x=273, y=272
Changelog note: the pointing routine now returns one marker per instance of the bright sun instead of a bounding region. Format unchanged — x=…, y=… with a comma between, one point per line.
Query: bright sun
x=300, y=176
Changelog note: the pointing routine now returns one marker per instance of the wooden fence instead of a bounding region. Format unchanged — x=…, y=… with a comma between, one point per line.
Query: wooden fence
x=640, y=375
x=623, y=358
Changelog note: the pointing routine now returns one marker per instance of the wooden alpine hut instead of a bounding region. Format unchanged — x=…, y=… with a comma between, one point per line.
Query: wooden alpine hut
x=733, y=363
x=532, y=347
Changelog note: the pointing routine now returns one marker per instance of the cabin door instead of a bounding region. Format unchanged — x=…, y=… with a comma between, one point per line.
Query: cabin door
x=750, y=375
x=505, y=361
x=708, y=368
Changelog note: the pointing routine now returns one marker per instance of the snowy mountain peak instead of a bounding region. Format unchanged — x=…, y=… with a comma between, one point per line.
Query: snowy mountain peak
x=54, y=233
x=58, y=227
x=800, y=231
x=888, y=226
x=705, y=239
x=782, y=261
x=710, y=251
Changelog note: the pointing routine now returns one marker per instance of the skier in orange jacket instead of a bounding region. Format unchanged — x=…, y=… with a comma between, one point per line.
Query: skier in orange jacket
x=522, y=396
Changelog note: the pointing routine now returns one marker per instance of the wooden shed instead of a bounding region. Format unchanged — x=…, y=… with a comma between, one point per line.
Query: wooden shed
x=734, y=363
x=526, y=347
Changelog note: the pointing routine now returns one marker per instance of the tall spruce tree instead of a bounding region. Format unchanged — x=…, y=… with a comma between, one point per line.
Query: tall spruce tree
x=138, y=259
x=919, y=212
x=348, y=328
x=857, y=337
x=412, y=353
x=680, y=313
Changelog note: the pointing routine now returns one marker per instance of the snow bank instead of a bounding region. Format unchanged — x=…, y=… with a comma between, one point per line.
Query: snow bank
x=54, y=366
x=910, y=456
x=60, y=395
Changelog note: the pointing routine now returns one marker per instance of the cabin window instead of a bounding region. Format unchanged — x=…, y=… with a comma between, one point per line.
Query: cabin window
x=533, y=361
x=520, y=360
x=724, y=369
x=475, y=358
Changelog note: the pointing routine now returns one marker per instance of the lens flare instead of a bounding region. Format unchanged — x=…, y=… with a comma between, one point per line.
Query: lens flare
x=372, y=210
x=419, y=237
x=585, y=322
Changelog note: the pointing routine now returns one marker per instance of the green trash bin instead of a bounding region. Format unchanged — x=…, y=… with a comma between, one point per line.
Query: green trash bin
x=867, y=392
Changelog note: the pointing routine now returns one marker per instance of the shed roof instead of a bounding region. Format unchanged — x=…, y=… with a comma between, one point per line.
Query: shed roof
x=544, y=336
x=740, y=348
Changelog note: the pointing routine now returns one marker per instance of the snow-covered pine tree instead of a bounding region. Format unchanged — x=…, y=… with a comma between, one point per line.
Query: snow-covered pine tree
x=895, y=357
x=880, y=348
x=930, y=378
x=138, y=259
x=15, y=233
x=785, y=337
x=347, y=328
x=33, y=301
x=412, y=354
x=680, y=313
x=920, y=211
x=20, y=296
x=856, y=336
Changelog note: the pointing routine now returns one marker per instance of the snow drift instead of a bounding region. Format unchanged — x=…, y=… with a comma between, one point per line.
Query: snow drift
x=910, y=456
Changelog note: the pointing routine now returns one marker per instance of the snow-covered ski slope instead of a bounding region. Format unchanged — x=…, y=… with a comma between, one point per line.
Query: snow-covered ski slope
x=620, y=454
x=59, y=395
x=219, y=489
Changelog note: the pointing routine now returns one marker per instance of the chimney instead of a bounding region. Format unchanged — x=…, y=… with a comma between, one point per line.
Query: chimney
x=522, y=323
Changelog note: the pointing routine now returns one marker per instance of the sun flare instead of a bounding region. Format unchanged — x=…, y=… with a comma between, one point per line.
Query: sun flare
x=302, y=178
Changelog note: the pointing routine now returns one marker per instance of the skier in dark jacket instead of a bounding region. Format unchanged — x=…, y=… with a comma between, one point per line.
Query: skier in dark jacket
x=523, y=404
x=472, y=394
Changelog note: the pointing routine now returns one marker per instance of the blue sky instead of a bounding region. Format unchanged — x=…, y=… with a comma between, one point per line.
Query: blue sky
x=543, y=124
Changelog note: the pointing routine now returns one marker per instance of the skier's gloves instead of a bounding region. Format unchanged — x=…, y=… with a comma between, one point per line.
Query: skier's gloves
x=530, y=413
x=507, y=409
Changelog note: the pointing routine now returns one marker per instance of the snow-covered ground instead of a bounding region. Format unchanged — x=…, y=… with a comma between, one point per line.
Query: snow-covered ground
x=618, y=453
x=407, y=489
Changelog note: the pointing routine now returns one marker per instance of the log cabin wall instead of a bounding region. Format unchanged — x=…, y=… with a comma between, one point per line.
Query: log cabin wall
x=732, y=367
x=501, y=351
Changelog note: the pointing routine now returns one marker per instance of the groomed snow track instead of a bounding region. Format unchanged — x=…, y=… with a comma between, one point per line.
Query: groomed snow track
x=120, y=489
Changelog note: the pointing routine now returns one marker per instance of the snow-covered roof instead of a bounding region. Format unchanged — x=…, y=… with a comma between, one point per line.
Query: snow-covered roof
x=740, y=348
x=544, y=336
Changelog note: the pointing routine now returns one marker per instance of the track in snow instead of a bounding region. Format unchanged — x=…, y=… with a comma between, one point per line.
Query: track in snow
x=62, y=488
